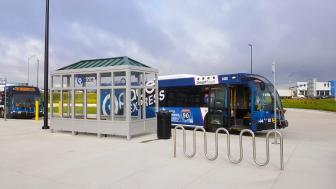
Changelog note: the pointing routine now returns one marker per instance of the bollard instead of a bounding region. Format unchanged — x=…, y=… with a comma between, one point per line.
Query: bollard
x=36, y=110
x=59, y=109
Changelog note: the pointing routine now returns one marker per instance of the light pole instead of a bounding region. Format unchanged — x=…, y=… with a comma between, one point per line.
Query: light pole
x=275, y=104
x=46, y=69
x=5, y=105
x=251, y=55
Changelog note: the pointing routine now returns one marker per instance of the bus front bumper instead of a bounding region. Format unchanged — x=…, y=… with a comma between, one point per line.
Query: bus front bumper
x=22, y=114
x=281, y=124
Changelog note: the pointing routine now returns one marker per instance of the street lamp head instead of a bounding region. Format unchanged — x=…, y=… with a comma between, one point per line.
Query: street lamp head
x=250, y=44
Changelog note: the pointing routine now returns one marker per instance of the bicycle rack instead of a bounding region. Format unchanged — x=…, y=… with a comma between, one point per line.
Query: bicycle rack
x=185, y=141
x=241, y=151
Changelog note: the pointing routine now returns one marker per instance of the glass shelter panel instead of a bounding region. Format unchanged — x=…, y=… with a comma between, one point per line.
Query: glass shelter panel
x=119, y=104
x=119, y=78
x=136, y=79
x=106, y=106
x=150, y=79
x=150, y=103
x=67, y=104
x=91, y=104
x=66, y=80
x=56, y=81
x=105, y=79
x=56, y=100
x=85, y=80
x=79, y=104
x=136, y=104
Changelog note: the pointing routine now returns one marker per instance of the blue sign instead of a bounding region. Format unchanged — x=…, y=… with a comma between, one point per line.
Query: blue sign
x=136, y=103
x=105, y=99
x=187, y=116
x=332, y=87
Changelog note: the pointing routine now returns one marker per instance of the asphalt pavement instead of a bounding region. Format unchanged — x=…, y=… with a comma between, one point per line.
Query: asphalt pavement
x=34, y=158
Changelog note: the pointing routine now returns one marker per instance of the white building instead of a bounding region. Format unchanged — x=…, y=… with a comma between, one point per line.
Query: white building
x=300, y=89
x=285, y=93
x=312, y=88
x=315, y=88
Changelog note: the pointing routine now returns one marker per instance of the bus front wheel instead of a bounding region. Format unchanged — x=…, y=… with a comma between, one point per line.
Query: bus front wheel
x=2, y=113
x=208, y=126
x=213, y=121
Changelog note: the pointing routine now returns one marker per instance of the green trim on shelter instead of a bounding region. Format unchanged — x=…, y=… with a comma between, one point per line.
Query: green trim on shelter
x=105, y=62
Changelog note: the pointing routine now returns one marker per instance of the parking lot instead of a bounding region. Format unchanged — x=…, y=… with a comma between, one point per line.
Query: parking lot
x=34, y=158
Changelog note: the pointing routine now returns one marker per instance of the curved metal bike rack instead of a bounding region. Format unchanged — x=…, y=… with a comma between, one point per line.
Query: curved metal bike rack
x=241, y=150
x=194, y=141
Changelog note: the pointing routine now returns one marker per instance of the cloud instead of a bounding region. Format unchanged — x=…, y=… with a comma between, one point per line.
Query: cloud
x=14, y=55
x=198, y=37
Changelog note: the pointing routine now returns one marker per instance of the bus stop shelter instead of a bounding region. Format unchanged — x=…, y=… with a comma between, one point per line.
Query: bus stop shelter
x=114, y=96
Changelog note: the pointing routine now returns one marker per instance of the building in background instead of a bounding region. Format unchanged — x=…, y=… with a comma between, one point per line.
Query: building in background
x=285, y=93
x=318, y=89
x=313, y=88
x=300, y=89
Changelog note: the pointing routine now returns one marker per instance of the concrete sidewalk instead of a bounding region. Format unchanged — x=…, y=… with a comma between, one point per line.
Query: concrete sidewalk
x=35, y=158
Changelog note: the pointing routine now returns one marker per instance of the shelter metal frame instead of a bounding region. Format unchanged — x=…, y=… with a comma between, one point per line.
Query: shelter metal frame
x=128, y=125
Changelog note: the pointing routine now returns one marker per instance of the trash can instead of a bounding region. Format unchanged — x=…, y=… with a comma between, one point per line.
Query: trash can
x=164, y=124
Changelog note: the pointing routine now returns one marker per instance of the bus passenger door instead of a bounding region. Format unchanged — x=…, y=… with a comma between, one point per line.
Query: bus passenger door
x=217, y=115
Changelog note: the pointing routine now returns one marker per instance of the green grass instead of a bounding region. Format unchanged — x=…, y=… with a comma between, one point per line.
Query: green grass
x=91, y=98
x=314, y=104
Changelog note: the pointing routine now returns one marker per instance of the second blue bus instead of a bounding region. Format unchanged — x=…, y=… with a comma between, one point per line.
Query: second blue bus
x=233, y=101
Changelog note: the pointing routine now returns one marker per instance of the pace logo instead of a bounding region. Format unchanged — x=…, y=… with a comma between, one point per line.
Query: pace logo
x=79, y=80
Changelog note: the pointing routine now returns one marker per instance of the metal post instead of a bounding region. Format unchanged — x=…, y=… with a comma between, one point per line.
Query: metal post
x=251, y=55
x=275, y=105
x=46, y=69
x=5, y=105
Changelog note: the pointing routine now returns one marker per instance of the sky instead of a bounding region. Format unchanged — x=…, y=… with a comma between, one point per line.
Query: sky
x=192, y=36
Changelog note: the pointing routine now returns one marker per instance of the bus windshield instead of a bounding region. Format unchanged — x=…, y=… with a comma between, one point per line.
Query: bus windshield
x=23, y=99
x=265, y=97
x=278, y=101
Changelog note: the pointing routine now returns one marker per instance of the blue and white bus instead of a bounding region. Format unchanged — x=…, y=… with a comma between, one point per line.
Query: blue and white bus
x=233, y=101
x=20, y=102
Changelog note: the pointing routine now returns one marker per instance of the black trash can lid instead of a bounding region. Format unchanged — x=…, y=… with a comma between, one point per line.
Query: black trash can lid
x=164, y=112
